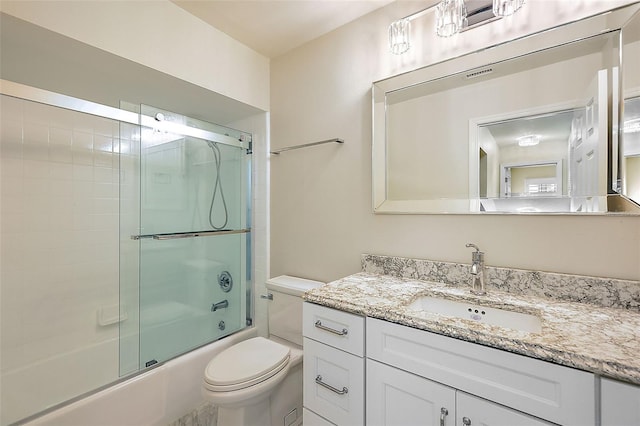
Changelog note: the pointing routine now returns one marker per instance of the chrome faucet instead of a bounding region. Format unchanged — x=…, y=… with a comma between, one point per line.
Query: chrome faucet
x=220, y=305
x=477, y=271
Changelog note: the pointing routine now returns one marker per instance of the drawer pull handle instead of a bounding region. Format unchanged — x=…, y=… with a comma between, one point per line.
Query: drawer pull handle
x=342, y=332
x=331, y=388
x=466, y=421
x=443, y=415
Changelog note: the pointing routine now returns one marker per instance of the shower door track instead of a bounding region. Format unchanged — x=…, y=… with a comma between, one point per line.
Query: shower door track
x=178, y=235
x=17, y=90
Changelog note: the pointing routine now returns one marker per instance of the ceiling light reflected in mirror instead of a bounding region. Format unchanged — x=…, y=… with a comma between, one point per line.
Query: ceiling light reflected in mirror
x=528, y=140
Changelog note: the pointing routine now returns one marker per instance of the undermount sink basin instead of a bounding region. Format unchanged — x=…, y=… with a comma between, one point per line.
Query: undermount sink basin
x=492, y=316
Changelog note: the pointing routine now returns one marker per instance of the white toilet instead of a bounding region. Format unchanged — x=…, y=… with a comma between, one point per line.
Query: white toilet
x=258, y=382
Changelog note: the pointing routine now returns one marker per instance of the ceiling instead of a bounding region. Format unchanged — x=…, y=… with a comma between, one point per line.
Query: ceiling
x=274, y=27
x=554, y=127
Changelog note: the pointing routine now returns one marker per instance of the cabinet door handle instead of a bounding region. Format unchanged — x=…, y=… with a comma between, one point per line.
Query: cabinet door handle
x=466, y=421
x=342, y=332
x=331, y=388
x=443, y=415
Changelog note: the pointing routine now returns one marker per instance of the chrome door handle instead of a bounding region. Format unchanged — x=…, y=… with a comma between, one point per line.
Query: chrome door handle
x=268, y=296
x=466, y=421
x=443, y=415
x=342, y=332
x=331, y=388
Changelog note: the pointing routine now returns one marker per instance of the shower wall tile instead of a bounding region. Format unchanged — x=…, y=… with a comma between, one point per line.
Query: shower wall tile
x=59, y=239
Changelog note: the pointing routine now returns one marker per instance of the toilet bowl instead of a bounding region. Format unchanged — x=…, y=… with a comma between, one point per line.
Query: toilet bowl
x=259, y=381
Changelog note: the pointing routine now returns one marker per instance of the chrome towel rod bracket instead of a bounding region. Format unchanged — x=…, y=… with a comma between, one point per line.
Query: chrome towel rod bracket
x=278, y=151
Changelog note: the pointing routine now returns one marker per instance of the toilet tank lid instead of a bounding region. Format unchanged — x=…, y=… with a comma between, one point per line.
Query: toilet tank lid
x=291, y=285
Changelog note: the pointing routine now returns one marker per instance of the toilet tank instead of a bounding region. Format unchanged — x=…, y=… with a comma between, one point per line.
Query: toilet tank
x=285, y=310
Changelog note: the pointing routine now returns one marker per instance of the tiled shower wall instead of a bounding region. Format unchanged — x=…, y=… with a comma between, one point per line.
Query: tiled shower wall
x=59, y=254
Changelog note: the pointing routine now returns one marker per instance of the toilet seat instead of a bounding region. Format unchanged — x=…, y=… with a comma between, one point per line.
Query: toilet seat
x=245, y=364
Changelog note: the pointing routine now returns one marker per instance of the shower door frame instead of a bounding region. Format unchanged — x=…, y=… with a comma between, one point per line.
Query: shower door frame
x=240, y=140
x=53, y=99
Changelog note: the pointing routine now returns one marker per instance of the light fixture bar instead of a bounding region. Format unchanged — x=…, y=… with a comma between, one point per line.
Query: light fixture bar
x=452, y=17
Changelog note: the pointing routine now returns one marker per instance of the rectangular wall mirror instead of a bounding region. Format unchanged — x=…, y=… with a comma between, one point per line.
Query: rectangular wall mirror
x=541, y=124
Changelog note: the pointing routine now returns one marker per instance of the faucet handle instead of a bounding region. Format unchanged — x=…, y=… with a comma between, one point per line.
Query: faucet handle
x=474, y=246
x=476, y=256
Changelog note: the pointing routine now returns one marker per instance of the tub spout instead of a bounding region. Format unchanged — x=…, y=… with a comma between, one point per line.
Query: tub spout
x=220, y=305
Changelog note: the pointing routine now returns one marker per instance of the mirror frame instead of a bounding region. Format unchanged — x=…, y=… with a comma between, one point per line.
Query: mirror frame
x=608, y=21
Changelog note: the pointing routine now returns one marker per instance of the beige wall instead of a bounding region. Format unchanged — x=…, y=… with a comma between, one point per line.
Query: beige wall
x=160, y=35
x=633, y=176
x=321, y=213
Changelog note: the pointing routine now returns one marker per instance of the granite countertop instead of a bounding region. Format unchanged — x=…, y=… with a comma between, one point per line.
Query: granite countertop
x=602, y=340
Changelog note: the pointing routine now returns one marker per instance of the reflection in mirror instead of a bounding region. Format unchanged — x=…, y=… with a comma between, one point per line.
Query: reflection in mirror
x=446, y=136
x=525, y=158
x=630, y=126
x=573, y=146
x=631, y=151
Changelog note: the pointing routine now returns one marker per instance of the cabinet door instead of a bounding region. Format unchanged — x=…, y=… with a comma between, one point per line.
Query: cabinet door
x=333, y=384
x=620, y=403
x=474, y=411
x=395, y=397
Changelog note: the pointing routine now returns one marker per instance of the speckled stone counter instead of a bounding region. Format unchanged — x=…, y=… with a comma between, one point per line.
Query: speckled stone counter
x=601, y=339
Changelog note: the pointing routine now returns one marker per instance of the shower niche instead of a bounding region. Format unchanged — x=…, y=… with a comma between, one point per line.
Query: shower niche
x=185, y=198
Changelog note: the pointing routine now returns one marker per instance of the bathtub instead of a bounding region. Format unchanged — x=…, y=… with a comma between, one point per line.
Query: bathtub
x=158, y=397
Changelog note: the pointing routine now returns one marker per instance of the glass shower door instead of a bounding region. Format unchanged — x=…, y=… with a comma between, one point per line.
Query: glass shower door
x=193, y=234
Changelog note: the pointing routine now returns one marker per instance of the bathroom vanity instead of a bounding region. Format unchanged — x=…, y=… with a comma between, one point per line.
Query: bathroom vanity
x=387, y=346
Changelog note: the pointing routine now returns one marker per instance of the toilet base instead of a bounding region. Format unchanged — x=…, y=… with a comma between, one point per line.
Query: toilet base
x=287, y=398
x=253, y=415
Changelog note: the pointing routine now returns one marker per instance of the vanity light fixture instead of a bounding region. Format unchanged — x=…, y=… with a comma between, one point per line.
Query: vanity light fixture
x=506, y=7
x=399, y=31
x=528, y=140
x=452, y=17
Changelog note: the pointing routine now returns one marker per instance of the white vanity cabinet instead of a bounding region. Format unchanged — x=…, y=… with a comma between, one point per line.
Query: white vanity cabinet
x=483, y=382
x=419, y=377
x=620, y=403
x=396, y=397
x=333, y=369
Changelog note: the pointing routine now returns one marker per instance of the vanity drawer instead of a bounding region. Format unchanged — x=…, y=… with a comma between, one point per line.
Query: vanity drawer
x=312, y=419
x=333, y=384
x=559, y=394
x=339, y=329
